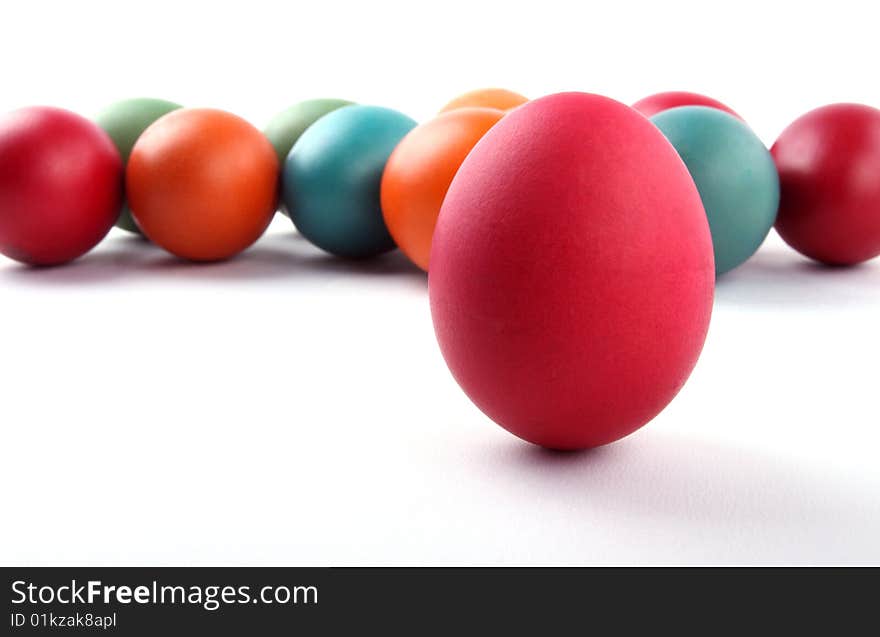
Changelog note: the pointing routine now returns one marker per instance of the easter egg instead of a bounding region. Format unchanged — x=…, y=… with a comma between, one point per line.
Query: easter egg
x=419, y=172
x=660, y=102
x=202, y=183
x=734, y=173
x=829, y=170
x=499, y=98
x=332, y=177
x=124, y=121
x=287, y=126
x=571, y=277
x=60, y=185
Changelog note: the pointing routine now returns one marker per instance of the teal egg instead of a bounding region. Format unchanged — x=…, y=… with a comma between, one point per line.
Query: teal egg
x=124, y=121
x=332, y=176
x=286, y=127
x=733, y=172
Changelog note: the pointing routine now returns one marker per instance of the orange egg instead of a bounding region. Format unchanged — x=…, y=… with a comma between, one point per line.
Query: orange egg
x=419, y=173
x=487, y=97
x=202, y=183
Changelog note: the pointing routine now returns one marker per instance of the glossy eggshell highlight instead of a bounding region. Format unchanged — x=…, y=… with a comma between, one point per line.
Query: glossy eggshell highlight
x=499, y=98
x=124, y=121
x=202, y=183
x=829, y=169
x=653, y=104
x=734, y=174
x=60, y=185
x=419, y=172
x=571, y=284
x=332, y=177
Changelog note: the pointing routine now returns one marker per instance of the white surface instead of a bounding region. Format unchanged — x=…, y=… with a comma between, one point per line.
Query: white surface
x=287, y=408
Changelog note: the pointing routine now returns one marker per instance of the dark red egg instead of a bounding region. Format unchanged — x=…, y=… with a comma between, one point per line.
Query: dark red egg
x=829, y=176
x=659, y=102
x=60, y=185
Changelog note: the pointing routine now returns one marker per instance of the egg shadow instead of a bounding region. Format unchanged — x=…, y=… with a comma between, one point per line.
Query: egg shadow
x=277, y=255
x=389, y=264
x=115, y=259
x=260, y=262
x=778, y=278
x=729, y=491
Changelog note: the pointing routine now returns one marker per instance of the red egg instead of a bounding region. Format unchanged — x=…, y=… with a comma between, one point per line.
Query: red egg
x=60, y=185
x=571, y=284
x=660, y=102
x=829, y=174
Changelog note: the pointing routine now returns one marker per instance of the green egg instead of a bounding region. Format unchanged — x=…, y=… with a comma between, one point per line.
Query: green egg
x=124, y=121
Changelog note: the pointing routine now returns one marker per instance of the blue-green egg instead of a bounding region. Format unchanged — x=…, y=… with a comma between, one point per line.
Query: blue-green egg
x=733, y=172
x=286, y=127
x=332, y=176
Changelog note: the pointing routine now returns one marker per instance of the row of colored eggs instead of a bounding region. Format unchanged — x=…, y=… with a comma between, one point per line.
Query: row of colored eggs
x=203, y=183
x=573, y=249
x=366, y=179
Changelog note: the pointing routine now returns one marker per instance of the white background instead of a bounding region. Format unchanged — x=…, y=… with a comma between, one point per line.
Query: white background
x=289, y=408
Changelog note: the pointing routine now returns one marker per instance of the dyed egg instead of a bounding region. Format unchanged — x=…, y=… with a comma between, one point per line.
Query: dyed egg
x=499, y=98
x=829, y=170
x=287, y=126
x=332, y=176
x=571, y=284
x=124, y=121
x=660, y=102
x=202, y=183
x=60, y=185
x=734, y=173
x=419, y=172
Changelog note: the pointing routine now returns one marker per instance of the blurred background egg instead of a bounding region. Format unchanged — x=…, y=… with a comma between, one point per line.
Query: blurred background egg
x=419, y=172
x=287, y=126
x=499, y=98
x=332, y=176
x=202, y=183
x=659, y=102
x=125, y=121
x=829, y=171
x=734, y=173
x=60, y=185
